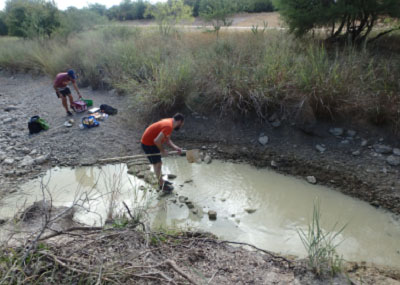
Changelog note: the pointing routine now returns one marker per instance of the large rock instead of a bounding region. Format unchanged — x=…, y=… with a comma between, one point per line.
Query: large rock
x=393, y=160
x=311, y=179
x=27, y=161
x=396, y=151
x=42, y=159
x=263, y=140
x=8, y=161
x=336, y=131
x=384, y=149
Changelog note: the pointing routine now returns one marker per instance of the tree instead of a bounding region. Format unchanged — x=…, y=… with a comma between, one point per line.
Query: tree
x=98, y=8
x=3, y=26
x=31, y=18
x=168, y=14
x=218, y=12
x=344, y=19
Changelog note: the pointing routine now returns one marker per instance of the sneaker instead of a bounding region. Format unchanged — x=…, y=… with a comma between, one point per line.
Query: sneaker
x=166, y=188
x=69, y=113
x=167, y=182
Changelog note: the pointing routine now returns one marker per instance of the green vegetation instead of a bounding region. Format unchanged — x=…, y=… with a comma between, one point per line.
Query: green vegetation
x=243, y=73
x=39, y=19
x=169, y=14
x=321, y=245
x=345, y=20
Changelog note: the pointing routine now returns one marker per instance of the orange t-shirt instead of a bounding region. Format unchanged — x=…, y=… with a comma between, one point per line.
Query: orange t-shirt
x=164, y=126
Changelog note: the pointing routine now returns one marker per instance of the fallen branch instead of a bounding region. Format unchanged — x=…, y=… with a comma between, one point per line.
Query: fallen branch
x=175, y=267
x=57, y=233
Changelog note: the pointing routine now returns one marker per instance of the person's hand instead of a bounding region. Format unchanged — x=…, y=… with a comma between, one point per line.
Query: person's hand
x=179, y=150
x=164, y=153
x=80, y=96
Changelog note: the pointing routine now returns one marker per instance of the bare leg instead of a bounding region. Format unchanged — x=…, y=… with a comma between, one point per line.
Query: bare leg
x=64, y=103
x=71, y=99
x=157, y=171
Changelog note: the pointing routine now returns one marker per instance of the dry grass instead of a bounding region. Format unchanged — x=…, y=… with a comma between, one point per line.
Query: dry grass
x=241, y=73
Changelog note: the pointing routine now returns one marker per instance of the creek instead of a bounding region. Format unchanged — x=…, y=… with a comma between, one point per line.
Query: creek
x=256, y=206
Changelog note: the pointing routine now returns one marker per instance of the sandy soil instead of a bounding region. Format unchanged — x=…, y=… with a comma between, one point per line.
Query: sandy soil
x=290, y=150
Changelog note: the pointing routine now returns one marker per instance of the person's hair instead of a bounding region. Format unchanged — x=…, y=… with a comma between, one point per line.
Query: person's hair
x=179, y=117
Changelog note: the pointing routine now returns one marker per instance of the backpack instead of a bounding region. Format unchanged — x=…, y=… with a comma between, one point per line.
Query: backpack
x=36, y=124
x=79, y=106
x=108, y=109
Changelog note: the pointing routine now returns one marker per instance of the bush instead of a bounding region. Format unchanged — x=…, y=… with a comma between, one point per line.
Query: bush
x=240, y=74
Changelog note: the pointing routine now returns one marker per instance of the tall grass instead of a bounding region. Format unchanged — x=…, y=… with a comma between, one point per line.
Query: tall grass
x=240, y=73
x=321, y=245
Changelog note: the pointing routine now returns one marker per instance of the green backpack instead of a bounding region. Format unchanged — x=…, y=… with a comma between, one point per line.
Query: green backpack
x=45, y=125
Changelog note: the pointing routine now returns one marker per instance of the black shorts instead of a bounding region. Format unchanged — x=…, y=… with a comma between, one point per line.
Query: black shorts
x=65, y=92
x=151, y=149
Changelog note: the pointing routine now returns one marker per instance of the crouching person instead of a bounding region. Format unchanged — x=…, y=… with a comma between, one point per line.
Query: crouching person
x=152, y=143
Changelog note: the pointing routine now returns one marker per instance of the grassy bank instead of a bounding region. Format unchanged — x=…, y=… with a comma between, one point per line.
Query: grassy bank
x=241, y=73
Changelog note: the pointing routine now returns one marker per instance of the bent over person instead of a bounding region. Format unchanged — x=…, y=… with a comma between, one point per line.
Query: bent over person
x=61, y=86
x=152, y=143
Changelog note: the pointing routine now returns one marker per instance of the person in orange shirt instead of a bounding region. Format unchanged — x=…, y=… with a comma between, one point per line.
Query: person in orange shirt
x=152, y=143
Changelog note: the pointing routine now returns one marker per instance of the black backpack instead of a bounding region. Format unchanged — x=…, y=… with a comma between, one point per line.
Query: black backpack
x=108, y=109
x=34, y=126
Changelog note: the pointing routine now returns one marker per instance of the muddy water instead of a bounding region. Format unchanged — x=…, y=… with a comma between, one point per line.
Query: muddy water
x=283, y=204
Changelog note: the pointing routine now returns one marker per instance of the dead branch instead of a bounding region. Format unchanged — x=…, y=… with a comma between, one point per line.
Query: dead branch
x=175, y=267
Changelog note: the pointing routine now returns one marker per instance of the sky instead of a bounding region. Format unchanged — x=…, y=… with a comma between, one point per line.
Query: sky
x=63, y=4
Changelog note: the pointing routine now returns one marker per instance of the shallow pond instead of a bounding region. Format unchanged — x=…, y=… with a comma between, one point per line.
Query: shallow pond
x=283, y=205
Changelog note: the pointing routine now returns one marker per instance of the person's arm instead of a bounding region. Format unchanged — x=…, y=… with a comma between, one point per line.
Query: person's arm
x=76, y=88
x=158, y=141
x=174, y=146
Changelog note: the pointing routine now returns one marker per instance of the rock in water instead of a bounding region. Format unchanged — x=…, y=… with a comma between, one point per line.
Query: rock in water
x=212, y=215
x=263, y=140
x=250, y=211
x=393, y=160
x=207, y=159
x=189, y=204
x=311, y=179
x=171, y=176
x=384, y=149
x=336, y=131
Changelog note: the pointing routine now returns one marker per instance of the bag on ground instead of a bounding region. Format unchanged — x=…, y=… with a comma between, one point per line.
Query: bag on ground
x=89, y=122
x=108, y=109
x=79, y=106
x=45, y=125
x=37, y=124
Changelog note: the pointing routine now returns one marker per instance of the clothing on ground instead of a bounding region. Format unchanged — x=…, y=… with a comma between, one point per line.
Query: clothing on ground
x=165, y=126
